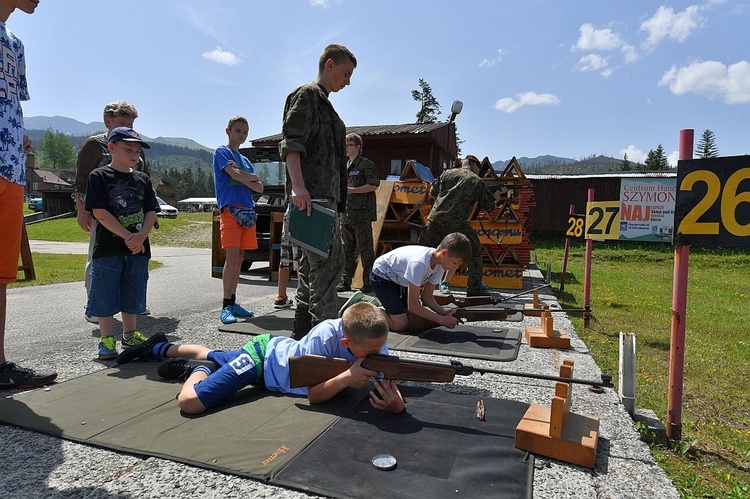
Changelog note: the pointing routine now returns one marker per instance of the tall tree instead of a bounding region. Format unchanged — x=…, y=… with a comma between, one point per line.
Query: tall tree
x=625, y=165
x=707, y=147
x=656, y=160
x=429, y=109
x=57, y=151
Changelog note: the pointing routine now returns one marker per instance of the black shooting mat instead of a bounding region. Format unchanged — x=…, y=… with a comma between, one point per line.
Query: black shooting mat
x=441, y=448
x=473, y=342
x=131, y=409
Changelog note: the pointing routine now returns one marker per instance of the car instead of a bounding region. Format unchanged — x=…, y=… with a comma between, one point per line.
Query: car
x=167, y=210
x=35, y=204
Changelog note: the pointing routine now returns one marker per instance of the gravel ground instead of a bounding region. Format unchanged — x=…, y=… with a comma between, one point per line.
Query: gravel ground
x=185, y=305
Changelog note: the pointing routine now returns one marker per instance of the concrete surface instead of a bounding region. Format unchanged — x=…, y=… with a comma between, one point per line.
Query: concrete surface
x=46, y=329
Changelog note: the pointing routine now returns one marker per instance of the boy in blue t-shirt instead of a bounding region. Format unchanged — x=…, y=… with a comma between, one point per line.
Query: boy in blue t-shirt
x=265, y=360
x=235, y=181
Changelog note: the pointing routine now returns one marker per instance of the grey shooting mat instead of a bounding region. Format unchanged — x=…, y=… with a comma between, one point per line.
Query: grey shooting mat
x=441, y=449
x=132, y=409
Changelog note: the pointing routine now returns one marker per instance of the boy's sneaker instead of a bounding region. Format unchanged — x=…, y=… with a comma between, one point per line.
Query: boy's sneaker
x=15, y=376
x=135, y=339
x=227, y=317
x=444, y=287
x=91, y=319
x=280, y=302
x=357, y=297
x=107, y=348
x=142, y=351
x=180, y=369
x=240, y=311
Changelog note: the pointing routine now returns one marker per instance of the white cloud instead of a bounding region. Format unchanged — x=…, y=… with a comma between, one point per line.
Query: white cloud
x=673, y=158
x=635, y=155
x=711, y=79
x=592, y=62
x=666, y=23
x=597, y=39
x=488, y=63
x=222, y=57
x=510, y=105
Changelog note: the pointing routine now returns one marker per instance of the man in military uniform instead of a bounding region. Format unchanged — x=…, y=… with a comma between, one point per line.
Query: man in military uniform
x=313, y=146
x=361, y=211
x=455, y=193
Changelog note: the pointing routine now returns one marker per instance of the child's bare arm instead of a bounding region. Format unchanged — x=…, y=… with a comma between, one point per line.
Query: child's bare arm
x=356, y=376
x=109, y=221
x=249, y=180
x=414, y=305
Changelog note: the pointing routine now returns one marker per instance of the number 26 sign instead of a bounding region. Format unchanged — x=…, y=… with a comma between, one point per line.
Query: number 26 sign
x=712, y=208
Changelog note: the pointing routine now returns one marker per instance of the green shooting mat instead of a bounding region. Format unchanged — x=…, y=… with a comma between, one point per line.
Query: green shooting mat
x=441, y=450
x=131, y=409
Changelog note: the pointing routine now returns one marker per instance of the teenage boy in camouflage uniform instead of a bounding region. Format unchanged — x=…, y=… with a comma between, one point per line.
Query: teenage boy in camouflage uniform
x=455, y=193
x=313, y=146
x=361, y=211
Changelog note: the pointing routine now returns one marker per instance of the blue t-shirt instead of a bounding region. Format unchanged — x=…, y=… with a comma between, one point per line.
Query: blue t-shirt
x=228, y=190
x=324, y=339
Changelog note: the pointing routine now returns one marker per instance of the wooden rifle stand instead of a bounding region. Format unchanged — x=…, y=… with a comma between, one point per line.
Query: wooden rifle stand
x=532, y=306
x=27, y=262
x=555, y=431
x=546, y=336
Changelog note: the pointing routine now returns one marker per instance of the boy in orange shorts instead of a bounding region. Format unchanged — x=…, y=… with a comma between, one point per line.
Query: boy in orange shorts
x=235, y=181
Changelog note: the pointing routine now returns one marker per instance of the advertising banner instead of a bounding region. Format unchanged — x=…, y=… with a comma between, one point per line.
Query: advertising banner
x=647, y=209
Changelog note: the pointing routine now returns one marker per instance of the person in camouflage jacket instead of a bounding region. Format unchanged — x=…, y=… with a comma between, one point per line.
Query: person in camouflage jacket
x=455, y=192
x=313, y=146
x=361, y=211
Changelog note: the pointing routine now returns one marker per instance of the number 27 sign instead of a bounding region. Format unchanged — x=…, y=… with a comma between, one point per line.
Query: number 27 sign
x=712, y=207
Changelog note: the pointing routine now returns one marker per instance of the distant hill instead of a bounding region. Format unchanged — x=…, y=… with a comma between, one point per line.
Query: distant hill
x=555, y=165
x=75, y=128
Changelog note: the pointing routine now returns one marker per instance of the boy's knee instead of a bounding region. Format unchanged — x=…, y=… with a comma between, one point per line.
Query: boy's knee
x=189, y=403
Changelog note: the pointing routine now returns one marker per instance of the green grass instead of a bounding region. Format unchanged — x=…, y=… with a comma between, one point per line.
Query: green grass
x=631, y=291
x=59, y=268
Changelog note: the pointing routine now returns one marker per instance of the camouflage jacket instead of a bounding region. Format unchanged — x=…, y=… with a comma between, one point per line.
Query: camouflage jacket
x=313, y=128
x=93, y=154
x=455, y=193
x=361, y=207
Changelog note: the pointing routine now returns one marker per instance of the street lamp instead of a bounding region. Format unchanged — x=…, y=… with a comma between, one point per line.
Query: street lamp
x=456, y=108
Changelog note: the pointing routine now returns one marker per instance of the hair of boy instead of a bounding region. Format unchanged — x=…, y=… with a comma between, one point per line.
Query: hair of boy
x=355, y=138
x=470, y=158
x=338, y=53
x=363, y=322
x=458, y=246
x=237, y=119
x=119, y=108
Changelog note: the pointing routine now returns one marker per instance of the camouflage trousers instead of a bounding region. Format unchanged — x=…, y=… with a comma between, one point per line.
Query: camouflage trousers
x=434, y=234
x=357, y=240
x=318, y=277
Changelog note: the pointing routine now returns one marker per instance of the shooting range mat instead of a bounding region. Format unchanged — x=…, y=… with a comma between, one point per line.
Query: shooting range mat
x=440, y=445
x=467, y=341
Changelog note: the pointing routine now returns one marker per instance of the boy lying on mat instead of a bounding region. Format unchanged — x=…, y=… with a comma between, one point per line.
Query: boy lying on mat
x=264, y=360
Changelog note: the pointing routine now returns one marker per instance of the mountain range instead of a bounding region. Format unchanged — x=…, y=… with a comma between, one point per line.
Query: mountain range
x=72, y=127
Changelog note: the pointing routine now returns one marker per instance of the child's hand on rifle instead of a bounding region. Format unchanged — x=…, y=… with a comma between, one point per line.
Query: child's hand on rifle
x=387, y=397
x=358, y=375
x=449, y=321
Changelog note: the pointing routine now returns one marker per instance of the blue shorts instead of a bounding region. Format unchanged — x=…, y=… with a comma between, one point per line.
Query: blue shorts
x=118, y=284
x=237, y=369
x=392, y=296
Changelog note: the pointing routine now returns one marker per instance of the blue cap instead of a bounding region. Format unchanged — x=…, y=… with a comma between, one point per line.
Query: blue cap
x=126, y=134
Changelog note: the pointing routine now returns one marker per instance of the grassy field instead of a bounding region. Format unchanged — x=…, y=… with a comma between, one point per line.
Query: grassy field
x=631, y=291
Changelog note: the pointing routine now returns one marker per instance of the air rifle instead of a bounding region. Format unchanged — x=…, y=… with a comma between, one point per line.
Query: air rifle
x=471, y=301
x=469, y=314
x=309, y=370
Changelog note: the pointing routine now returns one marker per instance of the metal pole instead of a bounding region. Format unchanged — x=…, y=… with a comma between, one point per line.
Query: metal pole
x=679, y=312
x=587, y=273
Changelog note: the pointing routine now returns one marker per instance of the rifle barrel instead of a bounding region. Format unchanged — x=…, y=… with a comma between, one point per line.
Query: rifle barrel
x=606, y=381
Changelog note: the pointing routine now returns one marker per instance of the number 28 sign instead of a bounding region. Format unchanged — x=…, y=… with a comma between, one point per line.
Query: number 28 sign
x=712, y=207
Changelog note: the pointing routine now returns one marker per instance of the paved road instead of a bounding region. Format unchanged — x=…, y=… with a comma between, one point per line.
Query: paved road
x=46, y=329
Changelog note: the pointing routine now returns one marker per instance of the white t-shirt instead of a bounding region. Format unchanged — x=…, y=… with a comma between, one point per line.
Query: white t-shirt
x=408, y=264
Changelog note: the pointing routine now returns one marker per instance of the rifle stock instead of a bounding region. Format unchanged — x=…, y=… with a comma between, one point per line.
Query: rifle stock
x=309, y=370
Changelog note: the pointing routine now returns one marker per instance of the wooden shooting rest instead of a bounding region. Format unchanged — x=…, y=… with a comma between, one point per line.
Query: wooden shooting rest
x=532, y=309
x=555, y=431
x=546, y=336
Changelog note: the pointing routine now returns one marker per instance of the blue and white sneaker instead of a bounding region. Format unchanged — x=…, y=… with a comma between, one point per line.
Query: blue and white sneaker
x=444, y=288
x=240, y=311
x=227, y=316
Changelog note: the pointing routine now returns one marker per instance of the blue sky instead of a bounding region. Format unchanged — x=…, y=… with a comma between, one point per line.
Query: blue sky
x=568, y=78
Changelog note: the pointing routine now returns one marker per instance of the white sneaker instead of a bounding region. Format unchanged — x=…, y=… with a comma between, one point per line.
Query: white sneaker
x=91, y=319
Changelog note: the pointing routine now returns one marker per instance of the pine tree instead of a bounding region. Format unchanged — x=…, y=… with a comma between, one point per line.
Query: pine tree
x=707, y=147
x=662, y=162
x=430, y=108
x=625, y=165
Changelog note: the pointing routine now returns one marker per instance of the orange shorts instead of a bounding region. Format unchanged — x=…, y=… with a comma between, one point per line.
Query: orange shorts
x=11, y=223
x=232, y=235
